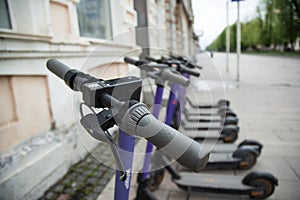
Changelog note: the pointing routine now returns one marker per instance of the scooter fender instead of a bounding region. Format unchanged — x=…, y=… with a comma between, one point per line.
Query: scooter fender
x=230, y=121
x=244, y=151
x=254, y=143
x=226, y=112
x=223, y=102
x=230, y=129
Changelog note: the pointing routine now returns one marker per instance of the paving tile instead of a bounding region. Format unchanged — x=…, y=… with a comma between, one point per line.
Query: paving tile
x=275, y=165
x=289, y=135
x=294, y=163
x=287, y=190
x=167, y=183
x=260, y=135
x=280, y=150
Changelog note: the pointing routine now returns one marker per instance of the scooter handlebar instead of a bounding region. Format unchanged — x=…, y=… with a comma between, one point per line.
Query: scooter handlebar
x=168, y=74
x=138, y=121
x=189, y=71
x=152, y=59
x=130, y=60
x=57, y=67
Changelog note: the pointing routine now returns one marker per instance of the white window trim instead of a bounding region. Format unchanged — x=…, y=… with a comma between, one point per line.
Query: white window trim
x=12, y=18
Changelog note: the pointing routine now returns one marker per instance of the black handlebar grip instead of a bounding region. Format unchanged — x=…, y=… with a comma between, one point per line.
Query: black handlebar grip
x=189, y=71
x=58, y=68
x=130, y=60
x=152, y=59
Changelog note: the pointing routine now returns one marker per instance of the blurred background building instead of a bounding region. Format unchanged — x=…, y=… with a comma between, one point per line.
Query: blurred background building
x=38, y=141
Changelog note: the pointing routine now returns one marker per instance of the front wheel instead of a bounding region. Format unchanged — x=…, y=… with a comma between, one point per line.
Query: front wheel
x=263, y=188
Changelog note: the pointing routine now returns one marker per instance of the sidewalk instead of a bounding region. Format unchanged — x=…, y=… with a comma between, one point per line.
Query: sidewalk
x=267, y=103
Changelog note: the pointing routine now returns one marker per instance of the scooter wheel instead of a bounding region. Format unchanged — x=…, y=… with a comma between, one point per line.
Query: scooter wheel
x=263, y=184
x=156, y=178
x=226, y=112
x=247, y=161
x=229, y=136
x=264, y=188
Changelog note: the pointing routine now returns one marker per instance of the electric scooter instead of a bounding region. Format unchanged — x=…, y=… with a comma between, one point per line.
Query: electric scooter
x=190, y=64
x=215, y=125
x=119, y=100
x=189, y=187
x=160, y=75
x=258, y=185
x=243, y=157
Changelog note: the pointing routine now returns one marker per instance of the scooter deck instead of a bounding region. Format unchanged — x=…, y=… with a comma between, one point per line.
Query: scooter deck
x=202, y=134
x=208, y=113
x=201, y=126
x=221, y=157
x=202, y=105
x=211, y=182
x=224, y=148
x=204, y=118
x=222, y=161
x=219, y=161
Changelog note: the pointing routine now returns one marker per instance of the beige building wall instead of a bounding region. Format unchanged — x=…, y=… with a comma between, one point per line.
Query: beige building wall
x=38, y=111
x=25, y=108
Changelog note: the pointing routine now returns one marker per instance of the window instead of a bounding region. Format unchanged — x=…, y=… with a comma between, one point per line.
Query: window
x=5, y=21
x=94, y=18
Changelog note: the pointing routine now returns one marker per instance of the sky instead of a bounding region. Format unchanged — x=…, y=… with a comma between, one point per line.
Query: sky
x=210, y=16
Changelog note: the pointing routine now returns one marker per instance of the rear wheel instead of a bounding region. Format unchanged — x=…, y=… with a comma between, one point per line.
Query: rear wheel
x=247, y=161
x=229, y=136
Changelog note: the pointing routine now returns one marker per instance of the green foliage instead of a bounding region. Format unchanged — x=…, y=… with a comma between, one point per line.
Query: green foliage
x=278, y=25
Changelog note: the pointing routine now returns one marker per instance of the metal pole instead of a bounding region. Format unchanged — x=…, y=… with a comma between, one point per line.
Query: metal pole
x=227, y=37
x=238, y=42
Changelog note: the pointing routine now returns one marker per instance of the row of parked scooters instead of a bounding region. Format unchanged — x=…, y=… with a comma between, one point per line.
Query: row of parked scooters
x=215, y=125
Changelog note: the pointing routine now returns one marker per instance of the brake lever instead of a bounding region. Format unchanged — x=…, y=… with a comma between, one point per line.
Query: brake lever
x=96, y=125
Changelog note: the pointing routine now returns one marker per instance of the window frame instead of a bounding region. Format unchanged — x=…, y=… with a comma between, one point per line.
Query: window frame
x=12, y=19
x=97, y=39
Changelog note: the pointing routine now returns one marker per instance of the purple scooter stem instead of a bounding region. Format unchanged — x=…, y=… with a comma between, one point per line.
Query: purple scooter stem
x=182, y=96
x=149, y=148
x=172, y=103
x=126, y=149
